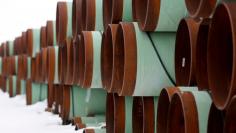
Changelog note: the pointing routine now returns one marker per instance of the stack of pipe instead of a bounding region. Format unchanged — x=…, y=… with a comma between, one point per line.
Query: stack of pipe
x=140, y=66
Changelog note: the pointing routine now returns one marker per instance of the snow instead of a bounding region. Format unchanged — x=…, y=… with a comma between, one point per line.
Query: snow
x=16, y=117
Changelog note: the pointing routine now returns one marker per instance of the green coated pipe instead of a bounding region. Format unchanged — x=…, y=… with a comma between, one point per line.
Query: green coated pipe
x=54, y=33
x=28, y=67
x=143, y=66
x=192, y=108
x=128, y=114
x=35, y=92
x=12, y=85
x=1, y=65
x=35, y=42
x=91, y=120
x=99, y=17
x=43, y=92
x=23, y=87
x=88, y=102
x=69, y=19
x=159, y=15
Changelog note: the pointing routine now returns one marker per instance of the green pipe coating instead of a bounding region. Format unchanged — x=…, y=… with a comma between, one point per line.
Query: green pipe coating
x=43, y=92
x=88, y=102
x=127, y=11
x=151, y=76
x=35, y=92
x=155, y=111
x=165, y=45
x=56, y=77
x=28, y=67
x=103, y=130
x=171, y=12
x=203, y=102
x=128, y=114
x=69, y=19
x=36, y=42
x=93, y=120
x=23, y=87
x=14, y=80
x=7, y=85
x=11, y=48
x=54, y=33
x=97, y=42
x=99, y=15
x=16, y=64
x=0, y=65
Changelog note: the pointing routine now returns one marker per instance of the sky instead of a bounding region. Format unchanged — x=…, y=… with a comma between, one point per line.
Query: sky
x=19, y=15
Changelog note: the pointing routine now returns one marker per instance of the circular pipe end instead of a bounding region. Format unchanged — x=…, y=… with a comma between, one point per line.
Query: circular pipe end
x=61, y=22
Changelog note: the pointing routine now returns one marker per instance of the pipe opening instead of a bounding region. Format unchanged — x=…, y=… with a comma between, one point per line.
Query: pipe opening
x=230, y=118
x=215, y=120
x=76, y=60
x=70, y=64
x=220, y=57
x=61, y=22
x=138, y=115
x=183, y=55
x=49, y=34
x=119, y=58
x=107, y=56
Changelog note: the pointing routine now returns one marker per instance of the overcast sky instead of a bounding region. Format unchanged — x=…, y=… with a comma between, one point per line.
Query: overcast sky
x=18, y=15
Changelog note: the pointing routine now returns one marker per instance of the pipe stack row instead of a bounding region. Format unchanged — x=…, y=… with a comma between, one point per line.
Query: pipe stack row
x=137, y=65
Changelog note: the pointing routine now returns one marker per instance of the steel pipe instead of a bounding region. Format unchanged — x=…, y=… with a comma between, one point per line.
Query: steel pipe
x=158, y=15
x=77, y=20
x=32, y=92
x=91, y=42
x=185, y=52
x=43, y=91
x=188, y=112
x=12, y=86
x=43, y=36
x=107, y=56
x=201, y=8
x=92, y=15
x=51, y=33
x=12, y=65
x=215, y=120
x=201, y=55
x=51, y=96
x=116, y=11
x=20, y=86
x=10, y=48
x=53, y=59
x=44, y=65
x=33, y=42
x=163, y=106
x=220, y=57
x=94, y=131
x=24, y=46
x=76, y=63
x=131, y=74
x=118, y=113
x=143, y=114
x=63, y=22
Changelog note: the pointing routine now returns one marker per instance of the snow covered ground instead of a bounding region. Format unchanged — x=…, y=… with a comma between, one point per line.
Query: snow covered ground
x=16, y=117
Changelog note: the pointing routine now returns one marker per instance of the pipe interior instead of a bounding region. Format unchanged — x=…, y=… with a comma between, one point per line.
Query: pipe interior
x=183, y=55
x=140, y=8
x=110, y=113
x=220, y=56
x=138, y=115
x=107, y=58
x=215, y=120
x=107, y=12
x=118, y=74
x=176, y=116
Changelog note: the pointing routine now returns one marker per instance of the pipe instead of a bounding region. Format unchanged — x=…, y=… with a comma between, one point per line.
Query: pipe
x=94, y=131
x=201, y=55
x=89, y=102
x=158, y=15
x=164, y=103
x=50, y=97
x=116, y=11
x=20, y=86
x=3, y=83
x=201, y=8
x=119, y=113
x=230, y=117
x=44, y=65
x=215, y=120
x=92, y=15
x=188, y=112
x=38, y=68
x=4, y=66
x=185, y=52
x=57, y=98
x=107, y=49
x=91, y=46
x=220, y=57
x=33, y=42
x=51, y=33
x=143, y=114
x=10, y=48
x=131, y=73
x=33, y=70
x=43, y=38
x=32, y=92
x=12, y=86
x=90, y=120
x=66, y=61
x=43, y=91
x=1, y=66
x=77, y=25
x=24, y=67
x=12, y=65
x=23, y=46
x=63, y=22
x=53, y=57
